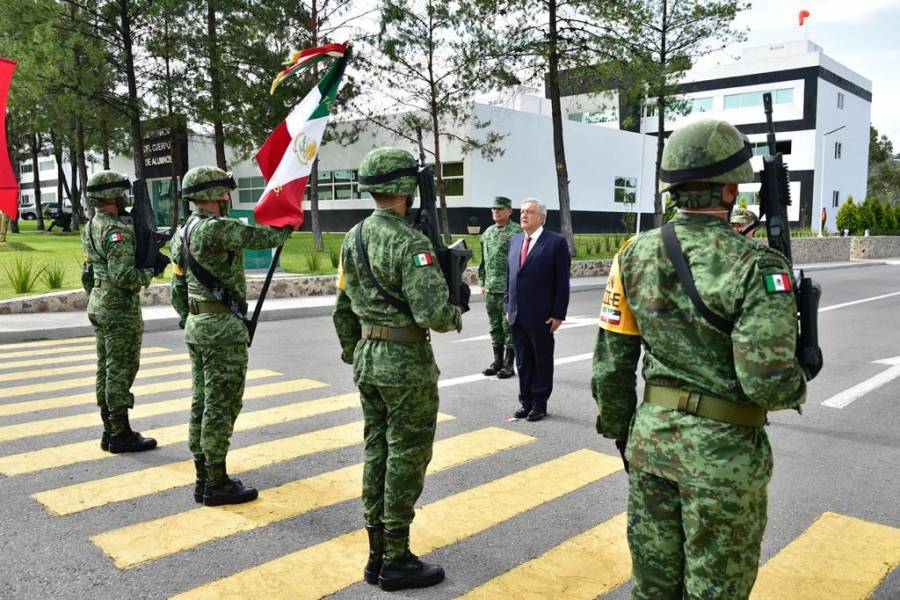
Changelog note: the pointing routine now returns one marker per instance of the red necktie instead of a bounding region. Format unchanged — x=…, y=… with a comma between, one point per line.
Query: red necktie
x=524, y=253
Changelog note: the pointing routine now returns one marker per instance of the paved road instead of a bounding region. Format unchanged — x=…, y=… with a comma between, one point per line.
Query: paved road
x=510, y=508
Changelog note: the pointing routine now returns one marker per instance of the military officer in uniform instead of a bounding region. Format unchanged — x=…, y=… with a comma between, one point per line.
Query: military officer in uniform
x=209, y=291
x=391, y=292
x=113, y=281
x=744, y=221
x=715, y=361
x=492, y=274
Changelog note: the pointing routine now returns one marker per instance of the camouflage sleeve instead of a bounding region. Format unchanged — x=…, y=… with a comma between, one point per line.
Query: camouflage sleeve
x=765, y=337
x=179, y=294
x=614, y=381
x=236, y=235
x=346, y=323
x=118, y=243
x=425, y=290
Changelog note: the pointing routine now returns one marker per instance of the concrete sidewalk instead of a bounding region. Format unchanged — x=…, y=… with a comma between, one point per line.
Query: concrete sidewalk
x=34, y=326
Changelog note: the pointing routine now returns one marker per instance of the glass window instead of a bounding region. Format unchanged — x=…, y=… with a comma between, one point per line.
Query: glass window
x=575, y=117
x=751, y=99
x=345, y=175
x=453, y=187
x=245, y=182
x=785, y=96
x=25, y=168
x=732, y=101
x=245, y=196
x=46, y=165
x=837, y=149
x=835, y=198
x=342, y=191
x=840, y=100
x=624, y=189
x=324, y=177
x=452, y=169
x=325, y=192
x=751, y=198
x=26, y=200
x=702, y=104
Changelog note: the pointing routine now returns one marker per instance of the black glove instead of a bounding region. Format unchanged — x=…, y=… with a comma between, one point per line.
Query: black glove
x=159, y=264
x=620, y=446
x=464, y=294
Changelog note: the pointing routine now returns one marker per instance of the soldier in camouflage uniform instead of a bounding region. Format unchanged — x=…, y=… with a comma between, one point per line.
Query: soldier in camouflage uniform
x=212, y=311
x=389, y=346
x=492, y=274
x=744, y=221
x=699, y=457
x=112, y=281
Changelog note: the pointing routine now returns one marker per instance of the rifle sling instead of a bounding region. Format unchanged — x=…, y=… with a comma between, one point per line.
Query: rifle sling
x=213, y=284
x=364, y=259
x=673, y=249
x=90, y=232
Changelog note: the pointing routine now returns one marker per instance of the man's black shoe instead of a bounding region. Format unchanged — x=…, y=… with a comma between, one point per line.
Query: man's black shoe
x=409, y=572
x=104, y=441
x=127, y=440
x=507, y=371
x=521, y=413
x=221, y=489
x=200, y=482
x=536, y=415
x=495, y=366
x=376, y=553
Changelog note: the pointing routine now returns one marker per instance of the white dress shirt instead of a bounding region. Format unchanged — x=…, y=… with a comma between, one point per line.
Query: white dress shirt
x=534, y=238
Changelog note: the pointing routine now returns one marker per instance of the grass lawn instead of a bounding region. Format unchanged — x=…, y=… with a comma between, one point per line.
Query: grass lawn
x=63, y=251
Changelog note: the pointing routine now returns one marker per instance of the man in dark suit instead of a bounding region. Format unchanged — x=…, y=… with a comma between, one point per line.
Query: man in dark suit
x=537, y=297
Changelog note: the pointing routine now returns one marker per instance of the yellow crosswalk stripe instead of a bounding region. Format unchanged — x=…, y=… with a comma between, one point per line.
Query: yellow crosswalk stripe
x=64, y=384
x=147, y=389
x=69, y=454
x=44, y=343
x=130, y=546
x=46, y=351
x=142, y=410
x=91, y=494
x=838, y=557
x=584, y=567
x=92, y=367
x=56, y=360
x=447, y=521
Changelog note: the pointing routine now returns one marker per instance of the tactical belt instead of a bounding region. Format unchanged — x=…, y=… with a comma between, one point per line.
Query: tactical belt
x=104, y=284
x=201, y=307
x=695, y=403
x=395, y=334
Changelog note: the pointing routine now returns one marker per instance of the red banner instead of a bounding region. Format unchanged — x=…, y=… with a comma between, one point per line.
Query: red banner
x=9, y=185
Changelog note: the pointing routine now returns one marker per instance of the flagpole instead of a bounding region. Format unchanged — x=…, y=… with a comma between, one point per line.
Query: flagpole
x=251, y=326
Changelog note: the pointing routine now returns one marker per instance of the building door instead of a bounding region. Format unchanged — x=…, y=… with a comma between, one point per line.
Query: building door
x=161, y=197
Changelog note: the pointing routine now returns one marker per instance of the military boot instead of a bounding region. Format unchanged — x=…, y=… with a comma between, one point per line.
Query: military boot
x=222, y=489
x=402, y=569
x=497, y=364
x=376, y=552
x=123, y=439
x=200, y=483
x=507, y=371
x=104, y=439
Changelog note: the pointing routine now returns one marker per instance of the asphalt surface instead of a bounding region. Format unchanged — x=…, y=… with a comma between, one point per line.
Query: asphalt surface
x=841, y=461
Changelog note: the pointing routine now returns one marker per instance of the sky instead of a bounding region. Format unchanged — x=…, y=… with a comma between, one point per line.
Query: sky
x=862, y=35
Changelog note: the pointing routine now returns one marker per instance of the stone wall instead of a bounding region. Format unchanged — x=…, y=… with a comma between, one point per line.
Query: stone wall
x=879, y=246
x=819, y=250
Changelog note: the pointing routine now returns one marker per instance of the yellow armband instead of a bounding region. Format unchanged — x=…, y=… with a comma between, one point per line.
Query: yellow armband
x=177, y=269
x=615, y=314
x=341, y=279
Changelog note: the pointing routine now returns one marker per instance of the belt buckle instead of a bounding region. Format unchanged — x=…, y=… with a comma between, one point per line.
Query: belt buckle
x=692, y=404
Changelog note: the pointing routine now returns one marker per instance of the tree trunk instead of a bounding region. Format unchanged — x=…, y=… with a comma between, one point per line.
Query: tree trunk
x=38, y=209
x=658, y=212
x=134, y=107
x=75, y=163
x=104, y=135
x=81, y=161
x=215, y=83
x=438, y=173
x=318, y=244
x=62, y=184
x=559, y=150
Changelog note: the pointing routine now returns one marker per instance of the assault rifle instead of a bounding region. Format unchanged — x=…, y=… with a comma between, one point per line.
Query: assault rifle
x=775, y=197
x=148, y=241
x=452, y=259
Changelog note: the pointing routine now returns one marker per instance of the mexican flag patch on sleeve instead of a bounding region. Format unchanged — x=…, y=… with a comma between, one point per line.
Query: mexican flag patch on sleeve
x=777, y=282
x=423, y=259
x=115, y=237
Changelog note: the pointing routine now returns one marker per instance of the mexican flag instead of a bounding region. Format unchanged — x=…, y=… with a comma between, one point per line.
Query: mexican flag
x=286, y=158
x=777, y=282
x=9, y=185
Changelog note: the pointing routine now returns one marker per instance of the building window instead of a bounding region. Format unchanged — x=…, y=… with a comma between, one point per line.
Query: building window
x=453, y=179
x=835, y=198
x=751, y=198
x=624, y=190
x=25, y=200
x=46, y=165
x=48, y=197
x=840, y=100
x=701, y=104
x=762, y=148
x=25, y=168
x=605, y=115
x=837, y=149
x=754, y=99
x=250, y=189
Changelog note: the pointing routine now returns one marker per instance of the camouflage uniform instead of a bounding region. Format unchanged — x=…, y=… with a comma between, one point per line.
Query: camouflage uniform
x=492, y=274
x=216, y=338
x=697, y=484
x=397, y=380
x=113, y=281
x=744, y=221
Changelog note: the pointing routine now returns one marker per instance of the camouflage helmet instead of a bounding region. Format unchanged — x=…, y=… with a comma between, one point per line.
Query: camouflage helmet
x=709, y=151
x=388, y=170
x=106, y=185
x=206, y=183
x=743, y=216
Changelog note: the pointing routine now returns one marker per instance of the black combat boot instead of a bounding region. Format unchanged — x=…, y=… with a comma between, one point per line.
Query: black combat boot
x=123, y=439
x=497, y=364
x=104, y=439
x=376, y=552
x=222, y=489
x=200, y=483
x=402, y=569
x=507, y=371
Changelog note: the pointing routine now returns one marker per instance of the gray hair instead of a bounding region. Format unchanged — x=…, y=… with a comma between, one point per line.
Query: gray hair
x=541, y=207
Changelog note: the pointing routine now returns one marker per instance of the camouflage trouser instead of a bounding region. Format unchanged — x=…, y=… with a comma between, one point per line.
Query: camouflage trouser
x=693, y=542
x=497, y=318
x=219, y=373
x=399, y=434
x=118, y=360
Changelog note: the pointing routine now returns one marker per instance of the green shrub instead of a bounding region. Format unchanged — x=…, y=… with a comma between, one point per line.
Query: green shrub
x=849, y=217
x=334, y=255
x=313, y=260
x=23, y=274
x=54, y=275
x=629, y=222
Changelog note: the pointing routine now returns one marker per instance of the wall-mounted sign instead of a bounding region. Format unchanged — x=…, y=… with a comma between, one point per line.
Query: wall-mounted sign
x=165, y=144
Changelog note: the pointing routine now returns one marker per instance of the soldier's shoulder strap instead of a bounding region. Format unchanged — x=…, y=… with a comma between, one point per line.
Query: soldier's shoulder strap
x=397, y=303
x=213, y=284
x=673, y=250
x=90, y=234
